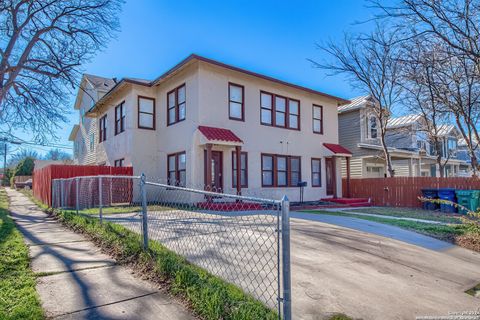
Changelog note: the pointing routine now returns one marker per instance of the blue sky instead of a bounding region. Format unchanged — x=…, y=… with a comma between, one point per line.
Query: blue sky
x=270, y=37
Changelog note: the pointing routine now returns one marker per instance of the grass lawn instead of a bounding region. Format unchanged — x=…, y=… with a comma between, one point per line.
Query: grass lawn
x=18, y=298
x=444, y=232
x=416, y=213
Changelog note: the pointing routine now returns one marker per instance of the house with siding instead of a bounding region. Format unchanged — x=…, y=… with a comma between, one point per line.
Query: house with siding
x=204, y=123
x=408, y=142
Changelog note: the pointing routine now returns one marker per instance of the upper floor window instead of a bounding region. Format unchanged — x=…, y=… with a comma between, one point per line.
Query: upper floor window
x=92, y=141
x=119, y=162
x=102, y=133
x=82, y=115
x=176, y=167
x=176, y=105
x=243, y=169
x=146, y=113
x=76, y=149
x=452, y=147
x=236, y=108
x=279, y=111
x=120, y=118
x=317, y=115
x=280, y=171
x=372, y=127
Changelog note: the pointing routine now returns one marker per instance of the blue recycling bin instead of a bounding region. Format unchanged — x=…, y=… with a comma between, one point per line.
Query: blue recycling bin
x=430, y=194
x=447, y=194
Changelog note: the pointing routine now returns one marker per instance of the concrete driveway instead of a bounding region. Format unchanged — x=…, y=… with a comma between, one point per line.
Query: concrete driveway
x=377, y=228
x=367, y=276
x=334, y=269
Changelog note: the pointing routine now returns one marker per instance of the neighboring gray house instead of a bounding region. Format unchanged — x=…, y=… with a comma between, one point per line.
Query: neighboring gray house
x=411, y=152
x=463, y=154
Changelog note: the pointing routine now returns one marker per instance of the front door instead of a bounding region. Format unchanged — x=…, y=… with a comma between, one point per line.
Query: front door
x=330, y=175
x=216, y=180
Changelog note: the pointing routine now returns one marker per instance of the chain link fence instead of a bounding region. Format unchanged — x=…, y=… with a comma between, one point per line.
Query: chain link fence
x=242, y=239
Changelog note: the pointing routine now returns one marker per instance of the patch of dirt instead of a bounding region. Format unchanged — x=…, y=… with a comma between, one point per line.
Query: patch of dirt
x=470, y=241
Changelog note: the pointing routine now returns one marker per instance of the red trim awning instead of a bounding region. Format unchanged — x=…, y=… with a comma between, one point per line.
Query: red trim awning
x=337, y=149
x=219, y=134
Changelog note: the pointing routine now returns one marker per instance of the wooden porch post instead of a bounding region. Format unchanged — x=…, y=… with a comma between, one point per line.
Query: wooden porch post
x=238, y=155
x=334, y=173
x=208, y=169
x=348, y=176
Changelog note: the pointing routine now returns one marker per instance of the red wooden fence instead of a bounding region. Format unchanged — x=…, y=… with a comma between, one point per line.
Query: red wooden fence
x=42, y=178
x=403, y=191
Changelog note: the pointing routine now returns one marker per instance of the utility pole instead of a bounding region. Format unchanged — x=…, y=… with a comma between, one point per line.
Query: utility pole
x=4, y=158
x=5, y=141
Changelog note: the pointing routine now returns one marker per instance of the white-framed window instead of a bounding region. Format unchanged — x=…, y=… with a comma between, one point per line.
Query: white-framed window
x=76, y=149
x=82, y=115
x=452, y=146
x=374, y=169
x=92, y=142
x=372, y=127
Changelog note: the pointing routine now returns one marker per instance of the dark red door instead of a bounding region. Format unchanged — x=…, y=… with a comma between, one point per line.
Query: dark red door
x=216, y=179
x=330, y=175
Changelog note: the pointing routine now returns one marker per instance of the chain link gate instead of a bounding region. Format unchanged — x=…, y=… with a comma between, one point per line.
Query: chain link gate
x=243, y=240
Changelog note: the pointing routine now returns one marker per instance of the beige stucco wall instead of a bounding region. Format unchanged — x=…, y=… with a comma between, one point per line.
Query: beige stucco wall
x=207, y=104
x=213, y=102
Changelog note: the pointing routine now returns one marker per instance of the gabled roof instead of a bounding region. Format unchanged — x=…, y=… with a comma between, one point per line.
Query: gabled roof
x=403, y=121
x=73, y=133
x=100, y=83
x=446, y=129
x=463, y=143
x=193, y=57
x=355, y=103
x=219, y=134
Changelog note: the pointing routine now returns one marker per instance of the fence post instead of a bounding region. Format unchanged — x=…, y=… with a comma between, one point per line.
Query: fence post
x=286, y=276
x=76, y=194
x=143, y=192
x=62, y=185
x=100, y=198
x=54, y=185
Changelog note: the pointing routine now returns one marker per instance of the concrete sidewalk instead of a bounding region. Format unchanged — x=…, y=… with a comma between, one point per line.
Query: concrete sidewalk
x=77, y=281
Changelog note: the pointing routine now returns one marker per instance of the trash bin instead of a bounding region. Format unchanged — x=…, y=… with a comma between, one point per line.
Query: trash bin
x=430, y=194
x=447, y=194
x=468, y=199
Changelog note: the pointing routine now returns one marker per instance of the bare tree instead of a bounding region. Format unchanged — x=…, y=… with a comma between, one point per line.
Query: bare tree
x=419, y=66
x=372, y=65
x=21, y=155
x=57, y=154
x=455, y=25
x=43, y=45
x=454, y=22
x=459, y=91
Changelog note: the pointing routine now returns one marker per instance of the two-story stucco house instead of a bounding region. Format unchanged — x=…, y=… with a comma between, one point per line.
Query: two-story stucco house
x=206, y=123
x=407, y=140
